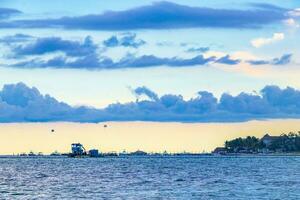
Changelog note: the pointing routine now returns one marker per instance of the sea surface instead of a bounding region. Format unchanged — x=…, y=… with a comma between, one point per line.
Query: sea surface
x=181, y=177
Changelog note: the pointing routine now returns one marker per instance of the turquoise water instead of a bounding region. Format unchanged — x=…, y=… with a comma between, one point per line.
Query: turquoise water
x=150, y=178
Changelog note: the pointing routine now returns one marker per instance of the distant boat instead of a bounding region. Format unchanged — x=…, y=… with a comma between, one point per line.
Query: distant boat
x=139, y=153
x=31, y=154
x=55, y=153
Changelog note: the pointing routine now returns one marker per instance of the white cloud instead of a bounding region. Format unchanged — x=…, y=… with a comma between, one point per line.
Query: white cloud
x=291, y=22
x=295, y=12
x=258, y=42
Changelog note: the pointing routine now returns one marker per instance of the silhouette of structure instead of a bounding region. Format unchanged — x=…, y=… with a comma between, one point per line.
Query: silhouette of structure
x=77, y=150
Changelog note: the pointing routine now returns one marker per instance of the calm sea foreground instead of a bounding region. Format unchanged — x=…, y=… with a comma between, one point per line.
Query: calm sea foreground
x=189, y=177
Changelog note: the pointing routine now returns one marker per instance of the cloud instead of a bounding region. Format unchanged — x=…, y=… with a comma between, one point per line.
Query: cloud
x=293, y=18
x=20, y=103
x=197, y=49
x=17, y=38
x=259, y=42
x=145, y=91
x=8, y=12
x=283, y=60
x=163, y=15
x=295, y=12
x=228, y=61
x=56, y=44
x=127, y=40
x=291, y=23
x=272, y=102
x=26, y=45
x=93, y=61
x=258, y=62
x=151, y=60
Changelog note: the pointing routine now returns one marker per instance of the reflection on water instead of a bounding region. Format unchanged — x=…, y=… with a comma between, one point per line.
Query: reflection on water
x=151, y=178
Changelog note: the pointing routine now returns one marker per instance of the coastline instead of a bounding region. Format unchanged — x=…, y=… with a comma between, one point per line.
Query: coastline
x=212, y=155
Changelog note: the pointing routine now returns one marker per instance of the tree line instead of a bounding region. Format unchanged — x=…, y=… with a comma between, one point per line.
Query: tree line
x=289, y=142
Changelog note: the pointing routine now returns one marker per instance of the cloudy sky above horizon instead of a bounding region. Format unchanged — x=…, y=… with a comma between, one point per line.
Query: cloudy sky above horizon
x=149, y=60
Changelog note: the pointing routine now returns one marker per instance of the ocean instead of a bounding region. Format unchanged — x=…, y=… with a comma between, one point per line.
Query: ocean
x=166, y=177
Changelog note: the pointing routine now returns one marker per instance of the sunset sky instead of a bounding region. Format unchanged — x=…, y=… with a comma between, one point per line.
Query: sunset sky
x=132, y=136
x=148, y=61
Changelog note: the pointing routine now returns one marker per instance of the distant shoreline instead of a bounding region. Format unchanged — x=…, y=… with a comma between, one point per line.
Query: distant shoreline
x=169, y=155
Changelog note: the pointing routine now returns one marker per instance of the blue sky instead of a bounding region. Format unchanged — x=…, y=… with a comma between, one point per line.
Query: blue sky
x=95, y=53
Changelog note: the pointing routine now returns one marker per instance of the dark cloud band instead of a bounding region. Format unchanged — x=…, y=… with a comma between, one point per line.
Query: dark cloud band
x=7, y=12
x=19, y=103
x=283, y=60
x=93, y=61
x=163, y=15
x=85, y=54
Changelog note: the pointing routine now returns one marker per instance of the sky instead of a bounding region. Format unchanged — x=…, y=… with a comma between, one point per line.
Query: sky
x=156, y=137
x=163, y=61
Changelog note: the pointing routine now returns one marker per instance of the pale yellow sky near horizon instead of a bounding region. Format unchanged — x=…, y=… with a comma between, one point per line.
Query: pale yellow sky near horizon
x=131, y=136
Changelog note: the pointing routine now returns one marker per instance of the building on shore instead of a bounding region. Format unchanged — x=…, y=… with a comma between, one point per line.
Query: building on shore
x=268, y=140
x=285, y=143
x=77, y=150
x=94, y=153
